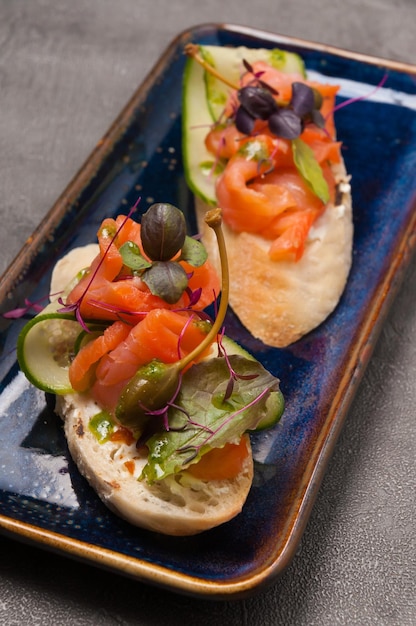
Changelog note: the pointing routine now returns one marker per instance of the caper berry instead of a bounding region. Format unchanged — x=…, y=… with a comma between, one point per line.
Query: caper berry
x=151, y=388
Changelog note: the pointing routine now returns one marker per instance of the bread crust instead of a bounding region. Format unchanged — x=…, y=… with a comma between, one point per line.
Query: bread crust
x=280, y=301
x=178, y=505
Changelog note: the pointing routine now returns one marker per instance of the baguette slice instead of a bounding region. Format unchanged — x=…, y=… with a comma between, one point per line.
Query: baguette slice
x=177, y=505
x=280, y=301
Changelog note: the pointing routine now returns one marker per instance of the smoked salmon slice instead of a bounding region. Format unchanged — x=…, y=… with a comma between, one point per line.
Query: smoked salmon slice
x=82, y=368
x=163, y=334
x=261, y=190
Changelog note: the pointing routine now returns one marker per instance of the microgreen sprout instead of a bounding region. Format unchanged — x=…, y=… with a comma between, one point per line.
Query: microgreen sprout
x=194, y=295
x=163, y=410
x=163, y=413
x=341, y=105
x=233, y=374
x=188, y=322
x=15, y=314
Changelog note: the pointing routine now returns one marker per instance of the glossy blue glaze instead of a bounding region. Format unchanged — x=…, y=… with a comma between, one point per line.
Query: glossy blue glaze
x=39, y=484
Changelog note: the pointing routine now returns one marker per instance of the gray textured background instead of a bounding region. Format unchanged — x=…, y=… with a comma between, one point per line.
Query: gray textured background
x=66, y=69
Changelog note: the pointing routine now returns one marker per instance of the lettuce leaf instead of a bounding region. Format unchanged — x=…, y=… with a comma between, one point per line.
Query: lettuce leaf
x=205, y=420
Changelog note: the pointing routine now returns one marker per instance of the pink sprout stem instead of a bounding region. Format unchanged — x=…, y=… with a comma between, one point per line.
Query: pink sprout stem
x=341, y=105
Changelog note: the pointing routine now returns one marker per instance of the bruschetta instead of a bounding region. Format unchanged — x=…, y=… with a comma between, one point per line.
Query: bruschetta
x=259, y=141
x=157, y=403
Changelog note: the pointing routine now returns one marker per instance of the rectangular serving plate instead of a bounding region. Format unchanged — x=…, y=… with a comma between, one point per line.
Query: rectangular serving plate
x=44, y=500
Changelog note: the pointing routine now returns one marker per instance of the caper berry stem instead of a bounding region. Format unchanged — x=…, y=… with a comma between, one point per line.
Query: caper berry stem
x=192, y=50
x=213, y=218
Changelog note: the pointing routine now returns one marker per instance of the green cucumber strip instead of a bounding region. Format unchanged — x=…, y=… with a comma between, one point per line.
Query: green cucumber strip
x=198, y=161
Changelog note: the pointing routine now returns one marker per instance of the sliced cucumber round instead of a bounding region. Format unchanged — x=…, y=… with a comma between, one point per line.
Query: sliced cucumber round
x=44, y=348
x=204, y=98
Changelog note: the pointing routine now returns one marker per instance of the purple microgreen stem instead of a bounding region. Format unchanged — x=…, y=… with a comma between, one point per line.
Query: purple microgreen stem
x=15, y=314
x=182, y=334
x=113, y=308
x=358, y=98
x=76, y=307
x=163, y=412
x=233, y=374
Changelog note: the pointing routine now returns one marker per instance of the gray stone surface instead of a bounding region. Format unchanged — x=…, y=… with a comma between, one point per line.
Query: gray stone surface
x=66, y=69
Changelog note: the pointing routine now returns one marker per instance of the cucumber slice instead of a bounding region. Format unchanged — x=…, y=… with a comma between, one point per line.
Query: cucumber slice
x=44, y=348
x=275, y=406
x=204, y=97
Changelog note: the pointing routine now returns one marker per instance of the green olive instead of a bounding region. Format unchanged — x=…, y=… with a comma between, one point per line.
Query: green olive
x=150, y=389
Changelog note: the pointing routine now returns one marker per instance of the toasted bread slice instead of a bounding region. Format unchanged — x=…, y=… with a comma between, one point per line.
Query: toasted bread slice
x=280, y=301
x=178, y=505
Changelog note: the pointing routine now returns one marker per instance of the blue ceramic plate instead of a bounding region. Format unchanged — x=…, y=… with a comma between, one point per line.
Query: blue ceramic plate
x=43, y=499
